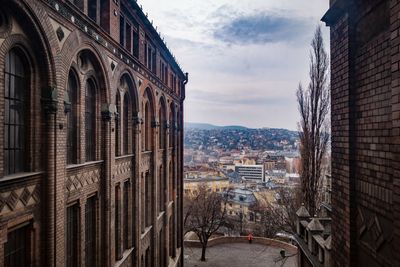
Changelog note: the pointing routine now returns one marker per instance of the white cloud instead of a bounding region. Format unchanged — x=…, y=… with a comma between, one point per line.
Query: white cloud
x=248, y=83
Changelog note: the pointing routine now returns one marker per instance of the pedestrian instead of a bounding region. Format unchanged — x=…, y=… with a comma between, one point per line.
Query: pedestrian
x=250, y=238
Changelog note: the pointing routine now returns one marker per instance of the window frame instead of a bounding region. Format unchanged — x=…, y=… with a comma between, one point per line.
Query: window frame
x=91, y=232
x=90, y=132
x=26, y=239
x=72, y=224
x=72, y=120
x=118, y=125
x=125, y=124
x=13, y=128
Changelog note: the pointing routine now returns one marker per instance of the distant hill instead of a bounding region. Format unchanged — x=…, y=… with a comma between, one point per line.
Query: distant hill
x=207, y=126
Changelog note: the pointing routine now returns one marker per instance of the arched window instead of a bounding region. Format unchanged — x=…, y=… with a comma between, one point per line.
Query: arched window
x=15, y=112
x=171, y=183
x=148, y=128
x=149, y=196
x=117, y=125
x=172, y=126
x=72, y=119
x=125, y=128
x=161, y=188
x=90, y=120
x=143, y=132
x=162, y=133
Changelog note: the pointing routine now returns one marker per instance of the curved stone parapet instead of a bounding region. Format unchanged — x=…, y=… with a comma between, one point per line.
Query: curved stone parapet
x=243, y=239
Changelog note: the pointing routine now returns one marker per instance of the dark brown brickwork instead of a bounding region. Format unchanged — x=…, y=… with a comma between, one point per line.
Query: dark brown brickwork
x=365, y=132
x=56, y=37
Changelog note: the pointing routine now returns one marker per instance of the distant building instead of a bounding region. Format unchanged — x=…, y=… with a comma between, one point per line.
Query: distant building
x=201, y=171
x=239, y=203
x=253, y=173
x=215, y=184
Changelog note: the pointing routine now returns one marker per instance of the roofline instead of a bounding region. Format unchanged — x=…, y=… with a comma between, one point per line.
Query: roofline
x=150, y=25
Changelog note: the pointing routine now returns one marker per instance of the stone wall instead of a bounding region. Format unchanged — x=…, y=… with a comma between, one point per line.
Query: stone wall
x=243, y=239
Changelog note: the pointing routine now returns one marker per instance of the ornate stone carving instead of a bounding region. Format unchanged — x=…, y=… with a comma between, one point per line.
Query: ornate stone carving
x=107, y=111
x=370, y=231
x=375, y=230
x=361, y=222
x=123, y=169
x=60, y=34
x=145, y=162
x=19, y=198
x=82, y=179
x=49, y=99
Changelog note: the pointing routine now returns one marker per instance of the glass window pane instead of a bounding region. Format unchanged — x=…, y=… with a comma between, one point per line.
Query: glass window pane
x=72, y=124
x=12, y=86
x=90, y=118
x=15, y=112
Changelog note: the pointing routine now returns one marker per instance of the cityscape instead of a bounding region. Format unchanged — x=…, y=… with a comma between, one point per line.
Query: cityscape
x=199, y=133
x=258, y=173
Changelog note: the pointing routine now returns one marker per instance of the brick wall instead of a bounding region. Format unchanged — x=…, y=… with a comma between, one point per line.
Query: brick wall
x=363, y=82
x=66, y=39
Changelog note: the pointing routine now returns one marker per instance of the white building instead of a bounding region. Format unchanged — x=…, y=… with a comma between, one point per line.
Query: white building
x=253, y=173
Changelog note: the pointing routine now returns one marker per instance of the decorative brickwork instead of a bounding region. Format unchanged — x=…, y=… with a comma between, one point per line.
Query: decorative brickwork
x=81, y=172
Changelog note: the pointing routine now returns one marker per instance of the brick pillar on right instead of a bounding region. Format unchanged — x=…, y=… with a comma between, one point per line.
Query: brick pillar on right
x=395, y=102
x=340, y=112
x=365, y=91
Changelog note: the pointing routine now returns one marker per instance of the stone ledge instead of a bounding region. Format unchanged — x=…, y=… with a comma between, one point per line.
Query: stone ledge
x=243, y=239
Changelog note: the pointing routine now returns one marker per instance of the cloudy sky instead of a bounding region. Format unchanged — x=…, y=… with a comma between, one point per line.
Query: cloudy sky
x=245, y=58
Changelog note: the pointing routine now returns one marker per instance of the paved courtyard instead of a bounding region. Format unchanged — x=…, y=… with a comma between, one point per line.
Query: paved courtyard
x=238, y=255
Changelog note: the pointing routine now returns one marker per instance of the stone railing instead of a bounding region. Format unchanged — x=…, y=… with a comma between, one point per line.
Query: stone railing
x=243, y=239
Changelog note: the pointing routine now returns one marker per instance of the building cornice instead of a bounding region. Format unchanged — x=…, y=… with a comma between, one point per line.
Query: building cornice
x=336, y=11
x=103, y=39
x=157, y=35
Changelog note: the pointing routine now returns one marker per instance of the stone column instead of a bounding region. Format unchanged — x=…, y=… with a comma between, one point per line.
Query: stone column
x=49, y=104
x=106, y=186
x=135, y=188
x=342, y=113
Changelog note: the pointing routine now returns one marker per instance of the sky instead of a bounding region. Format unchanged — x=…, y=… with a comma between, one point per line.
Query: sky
x=245, y=58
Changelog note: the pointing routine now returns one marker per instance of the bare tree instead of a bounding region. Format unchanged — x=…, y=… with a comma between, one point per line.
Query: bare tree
x=273, y=217
x=205, y=213
x=314, y=126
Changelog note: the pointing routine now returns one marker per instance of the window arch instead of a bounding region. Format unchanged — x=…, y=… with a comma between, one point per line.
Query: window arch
x=90, y=120
x=162, y=118
x=125, y=125
x=72, y=118
x=16, y=82
x=118, y=124
x=148, y=128
x=172, y=121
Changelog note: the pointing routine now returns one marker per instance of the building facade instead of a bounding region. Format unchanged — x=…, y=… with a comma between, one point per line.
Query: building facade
x=253, y=173
x=215, y=184
x=365, y=90
x=91, y=103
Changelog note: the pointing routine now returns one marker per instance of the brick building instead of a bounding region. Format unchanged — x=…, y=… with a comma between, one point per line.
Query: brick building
x=365, y=79
x=91, y=103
